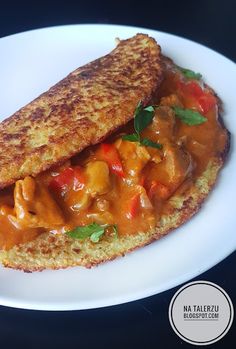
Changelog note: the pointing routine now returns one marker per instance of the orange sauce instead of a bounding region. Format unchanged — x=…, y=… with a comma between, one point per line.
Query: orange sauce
x=130, y=202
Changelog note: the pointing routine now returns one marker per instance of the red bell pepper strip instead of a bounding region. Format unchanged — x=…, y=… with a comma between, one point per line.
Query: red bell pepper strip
x=133, y=206
x=110, y=154
x=69, y=178
x=64, y=179
x=205, y=101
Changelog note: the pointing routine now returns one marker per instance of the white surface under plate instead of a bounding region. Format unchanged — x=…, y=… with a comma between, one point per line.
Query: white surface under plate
x=33, y=61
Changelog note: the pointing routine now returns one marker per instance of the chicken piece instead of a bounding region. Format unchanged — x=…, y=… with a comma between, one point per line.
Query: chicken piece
x=98, y=178
x=78, y=200
x=163, y=124
x=12, y=232
x=171, y=101
x=144, y=199
x=134, y=158
x=34, y=206
x=177, y=164
x=101, y=217
x=98, y=183
x=172, y=171
x=7, y=212
x=196, y=148
x=102, y=205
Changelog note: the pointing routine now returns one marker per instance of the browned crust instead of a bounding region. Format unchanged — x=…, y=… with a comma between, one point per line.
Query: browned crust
x=80, y=110
x=190, y=207
x=191, y=202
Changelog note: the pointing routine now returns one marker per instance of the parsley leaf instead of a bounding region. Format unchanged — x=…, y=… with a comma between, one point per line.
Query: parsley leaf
x=190, y=74
x=148, y=143
x=132, y=138
x=189, y=116
x=94, y=231
x=142, y=118
x=97, y=234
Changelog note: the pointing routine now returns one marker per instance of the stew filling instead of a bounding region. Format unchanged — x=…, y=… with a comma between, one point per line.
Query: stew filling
x=126, y=181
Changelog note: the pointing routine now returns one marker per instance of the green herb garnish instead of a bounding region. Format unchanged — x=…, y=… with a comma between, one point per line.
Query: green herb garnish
x=189, y=116
x=148, y=143
x=142, y=118
x=132, y=138
x=93, y=231
x=190, y=74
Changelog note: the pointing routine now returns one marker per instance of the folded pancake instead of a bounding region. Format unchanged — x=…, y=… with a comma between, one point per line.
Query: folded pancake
x=85, y=107
x=135, y=181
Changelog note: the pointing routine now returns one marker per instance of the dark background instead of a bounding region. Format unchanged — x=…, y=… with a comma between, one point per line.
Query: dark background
x=142, y=323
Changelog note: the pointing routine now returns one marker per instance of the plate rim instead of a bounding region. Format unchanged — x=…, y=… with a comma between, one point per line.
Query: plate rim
x=54, y=27
x=140, y=294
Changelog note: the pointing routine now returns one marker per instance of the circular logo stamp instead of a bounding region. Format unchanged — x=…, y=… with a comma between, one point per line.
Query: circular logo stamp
x=201, y=313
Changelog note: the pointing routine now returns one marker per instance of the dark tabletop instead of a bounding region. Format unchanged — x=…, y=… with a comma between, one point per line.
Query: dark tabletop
x=142, y=323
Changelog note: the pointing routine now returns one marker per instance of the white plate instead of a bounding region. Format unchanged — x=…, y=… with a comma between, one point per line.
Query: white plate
x=33, y=61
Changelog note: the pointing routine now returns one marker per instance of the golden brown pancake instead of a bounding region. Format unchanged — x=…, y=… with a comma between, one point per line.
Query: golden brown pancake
x=55, y=251
x=85, y=107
